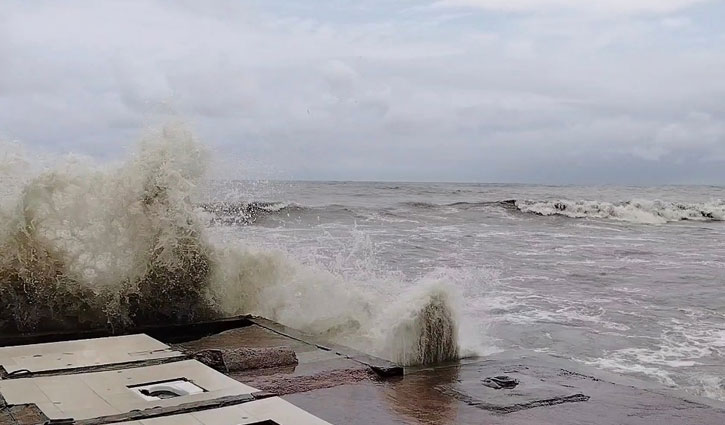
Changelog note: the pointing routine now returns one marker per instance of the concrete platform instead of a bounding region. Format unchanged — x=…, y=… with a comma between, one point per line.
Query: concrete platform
x=90, y=395
x=131, y=380
x=341, y=390
x=85, y=353
x=333, y=384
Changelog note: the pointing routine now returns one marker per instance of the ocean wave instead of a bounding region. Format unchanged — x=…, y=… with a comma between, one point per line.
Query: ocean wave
x=460, y=204
x=87, y=247
x=246, y=213
x=421, y=205
x=636, y=211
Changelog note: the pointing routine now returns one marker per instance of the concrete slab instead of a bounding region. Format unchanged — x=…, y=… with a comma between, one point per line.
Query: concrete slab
x=274, y=408
x=90, y=395
x=281, y=412
x=248, y=336
x=83, y=353
x=60, y=387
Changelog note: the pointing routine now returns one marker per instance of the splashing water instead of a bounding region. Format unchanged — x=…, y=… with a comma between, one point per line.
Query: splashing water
x=426, y=332
x=84, y=246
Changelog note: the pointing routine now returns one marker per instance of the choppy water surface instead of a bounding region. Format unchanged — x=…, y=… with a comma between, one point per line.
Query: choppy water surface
x=624, y=278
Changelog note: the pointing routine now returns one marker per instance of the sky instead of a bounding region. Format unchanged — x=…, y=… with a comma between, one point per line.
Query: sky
x=530, y=91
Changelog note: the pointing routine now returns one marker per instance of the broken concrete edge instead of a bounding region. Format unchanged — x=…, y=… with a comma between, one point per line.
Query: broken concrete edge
x=574, y=398
x=16, y=414
x=6, y=410
x=137, y=415
x=24, y=373
x=481, y=404
x=7, y=413
x=156, y=412
x=381, y=367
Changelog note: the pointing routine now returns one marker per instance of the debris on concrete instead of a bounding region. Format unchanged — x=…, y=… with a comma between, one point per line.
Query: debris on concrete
x=244, y=358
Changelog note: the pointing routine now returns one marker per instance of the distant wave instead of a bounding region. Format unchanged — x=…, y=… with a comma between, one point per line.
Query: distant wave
x=421, y=205
x=462, y=204
x=245, y=213
x=637, y=211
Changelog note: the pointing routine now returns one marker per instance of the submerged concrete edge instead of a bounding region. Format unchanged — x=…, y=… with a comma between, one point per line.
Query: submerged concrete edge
x=383, y=368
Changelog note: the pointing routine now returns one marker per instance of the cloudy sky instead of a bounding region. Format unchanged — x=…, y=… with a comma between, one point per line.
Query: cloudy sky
x=543, y=91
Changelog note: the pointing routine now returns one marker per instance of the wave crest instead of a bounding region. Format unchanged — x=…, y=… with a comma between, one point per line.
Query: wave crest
x=245, y=213
x=637, y=211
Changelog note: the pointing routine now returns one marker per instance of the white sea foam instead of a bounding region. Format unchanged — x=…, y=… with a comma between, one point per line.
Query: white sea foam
x=636, y=211
x=680, y=347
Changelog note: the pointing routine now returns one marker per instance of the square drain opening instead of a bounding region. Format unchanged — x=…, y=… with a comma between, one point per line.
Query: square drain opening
x=162, y=390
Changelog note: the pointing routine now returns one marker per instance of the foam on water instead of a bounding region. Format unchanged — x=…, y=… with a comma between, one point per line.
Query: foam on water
x=638, y=211
x=83, y=245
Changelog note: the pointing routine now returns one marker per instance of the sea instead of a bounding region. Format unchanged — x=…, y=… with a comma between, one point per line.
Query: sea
x=624, y=278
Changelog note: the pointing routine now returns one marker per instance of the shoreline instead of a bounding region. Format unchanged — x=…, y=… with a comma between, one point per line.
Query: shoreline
x=342, y=386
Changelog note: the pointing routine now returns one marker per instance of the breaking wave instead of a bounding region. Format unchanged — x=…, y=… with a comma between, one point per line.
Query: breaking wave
x=640, y=211
x=636, y=211
x=427, y=334
x=245, y=213
x=84, y=246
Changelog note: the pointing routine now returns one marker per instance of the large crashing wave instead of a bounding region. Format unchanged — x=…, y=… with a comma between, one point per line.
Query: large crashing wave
x=83, y=246
x=86, y=247
x=641, y=211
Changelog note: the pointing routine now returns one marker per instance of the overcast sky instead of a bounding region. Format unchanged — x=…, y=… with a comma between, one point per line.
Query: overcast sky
x=542, y=91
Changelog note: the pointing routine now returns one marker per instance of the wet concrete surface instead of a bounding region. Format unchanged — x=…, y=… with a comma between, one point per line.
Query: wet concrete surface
x=555, y=397
x=549, y=390
x=316, y=368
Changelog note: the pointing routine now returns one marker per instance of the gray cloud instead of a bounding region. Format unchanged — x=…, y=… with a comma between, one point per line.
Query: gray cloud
x=602, y=6
x=459, y=90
